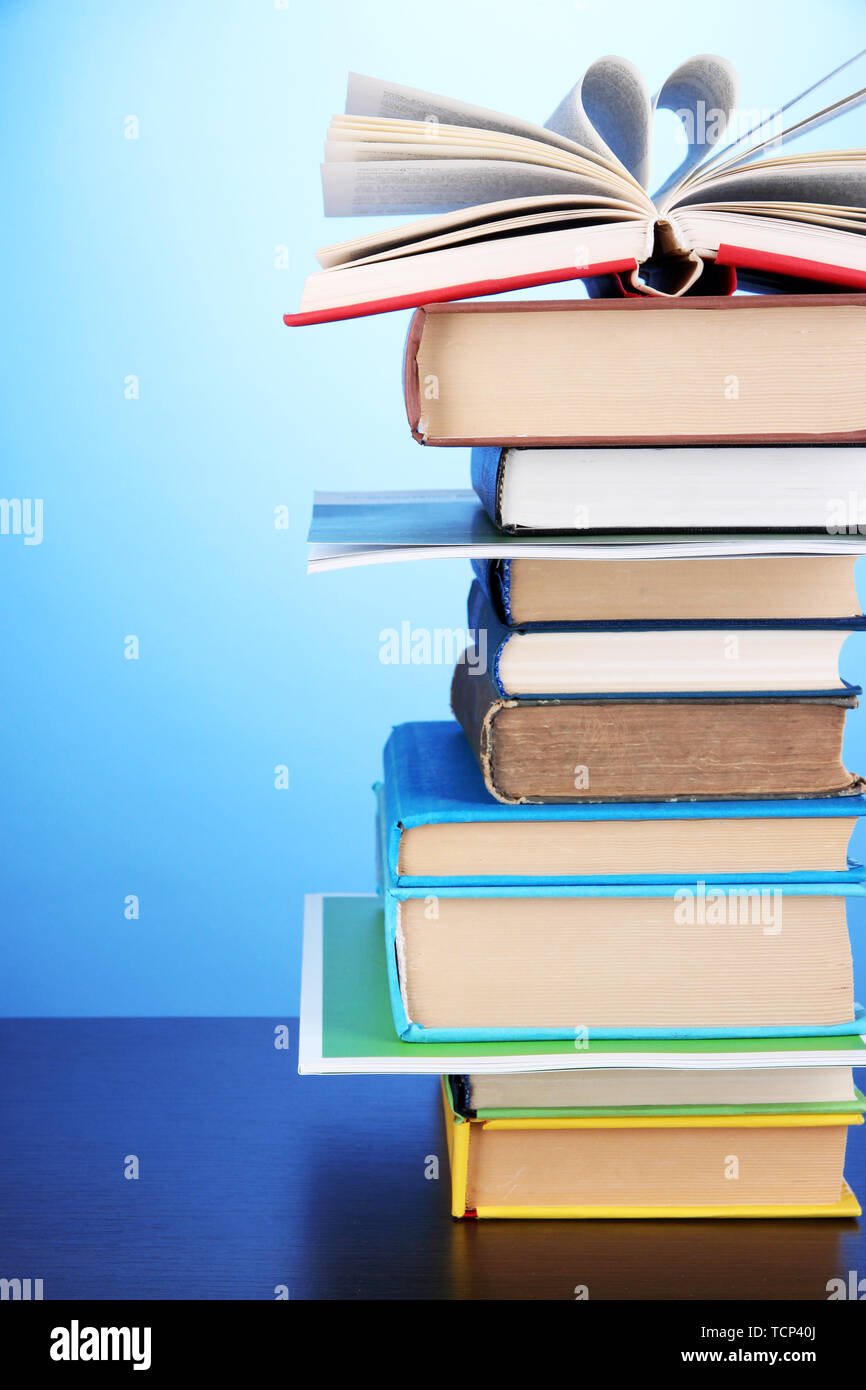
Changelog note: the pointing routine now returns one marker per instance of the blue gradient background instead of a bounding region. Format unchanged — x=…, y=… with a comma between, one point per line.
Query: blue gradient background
x=157, y=257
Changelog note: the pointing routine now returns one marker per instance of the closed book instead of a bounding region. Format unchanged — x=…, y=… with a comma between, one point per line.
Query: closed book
x=710, y=488
x=621, y=748
x=583, y=373
x=440, y=825
x=722, y=589
x=644, y=1167
x=350, y=1001
x=650, y=658
x=607, y=1093
x=626, y=961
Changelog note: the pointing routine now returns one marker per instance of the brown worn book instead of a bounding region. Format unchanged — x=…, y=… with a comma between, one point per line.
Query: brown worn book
x=742, y=370
x=625, y=749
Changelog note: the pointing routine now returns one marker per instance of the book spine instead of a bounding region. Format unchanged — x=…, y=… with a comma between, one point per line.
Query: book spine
x=494, y=576
x=411, y=384
x=491, y=635
x=487, y=474
x=475, y=702
x=390, y=811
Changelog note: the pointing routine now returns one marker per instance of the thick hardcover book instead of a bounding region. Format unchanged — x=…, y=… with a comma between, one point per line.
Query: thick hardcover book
x=710, y=488
x=620, y=372
x=644, y=1167
x=620, y=748
x=563, y=660
x=507, y=203
x=439, y=824
x=723, y=590
x=347, y=1023
x=634, y=961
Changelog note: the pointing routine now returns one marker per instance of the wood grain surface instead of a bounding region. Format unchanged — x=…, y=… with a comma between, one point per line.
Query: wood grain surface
x=251, y=1178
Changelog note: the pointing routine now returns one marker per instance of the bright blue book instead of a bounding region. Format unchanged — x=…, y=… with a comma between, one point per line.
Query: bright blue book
x=542, y=962
x=635, y=660
x=439, y=825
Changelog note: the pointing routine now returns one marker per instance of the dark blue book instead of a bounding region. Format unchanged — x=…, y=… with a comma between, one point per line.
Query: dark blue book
x=721, y=591
x=705, y=488
x=658, y=659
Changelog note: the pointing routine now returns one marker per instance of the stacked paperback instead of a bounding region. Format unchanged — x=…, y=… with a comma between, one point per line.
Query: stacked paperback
x=615, y=888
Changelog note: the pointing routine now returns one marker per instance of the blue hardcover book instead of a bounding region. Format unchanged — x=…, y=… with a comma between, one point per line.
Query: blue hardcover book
x=702, y=487
x=639, y=960
x=658, y=659
x=737, y=591
x=440, y=825
x=486, y=476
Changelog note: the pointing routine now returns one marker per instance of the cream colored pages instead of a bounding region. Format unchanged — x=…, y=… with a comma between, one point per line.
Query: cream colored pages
x=626, y=1086
x=738, y=587
x=450, y=227
x=606, y=962
x=655, y=1167
x=583, y=848
x=456, y=265
x=581, y=375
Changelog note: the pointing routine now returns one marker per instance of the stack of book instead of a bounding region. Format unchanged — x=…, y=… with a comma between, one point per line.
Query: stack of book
x=632, y=841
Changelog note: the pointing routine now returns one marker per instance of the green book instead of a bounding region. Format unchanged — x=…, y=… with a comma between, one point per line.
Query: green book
x=347, y=1024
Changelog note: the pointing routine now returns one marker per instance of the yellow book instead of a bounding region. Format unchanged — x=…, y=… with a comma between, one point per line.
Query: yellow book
x=638, y=1166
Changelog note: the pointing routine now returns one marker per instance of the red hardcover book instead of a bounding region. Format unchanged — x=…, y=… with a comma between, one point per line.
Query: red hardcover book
x=506, y=204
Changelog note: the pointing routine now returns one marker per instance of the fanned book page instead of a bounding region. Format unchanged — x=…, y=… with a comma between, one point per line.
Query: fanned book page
x=504, y=203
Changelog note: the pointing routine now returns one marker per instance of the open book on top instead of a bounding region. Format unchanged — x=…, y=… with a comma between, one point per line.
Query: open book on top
x=507, y=204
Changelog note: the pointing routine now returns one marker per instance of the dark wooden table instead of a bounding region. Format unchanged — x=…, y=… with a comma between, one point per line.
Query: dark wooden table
x=251, y=1178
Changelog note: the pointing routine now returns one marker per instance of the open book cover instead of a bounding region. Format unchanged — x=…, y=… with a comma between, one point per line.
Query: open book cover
x=505, y=203
x=521, y=1159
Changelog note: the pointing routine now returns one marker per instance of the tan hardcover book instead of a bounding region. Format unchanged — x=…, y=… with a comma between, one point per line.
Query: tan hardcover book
x=741, y=587
x=580, y=373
